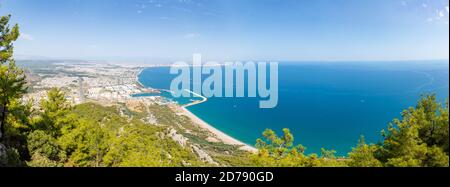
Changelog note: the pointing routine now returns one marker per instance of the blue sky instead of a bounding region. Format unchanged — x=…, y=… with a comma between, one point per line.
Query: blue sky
x=232, y=29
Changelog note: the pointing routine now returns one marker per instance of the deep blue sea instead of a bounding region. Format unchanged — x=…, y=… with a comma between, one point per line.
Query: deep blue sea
x=326, y=105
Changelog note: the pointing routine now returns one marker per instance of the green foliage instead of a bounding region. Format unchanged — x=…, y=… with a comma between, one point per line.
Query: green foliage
x=363, y=155
x=275, y=151
x=47, y=126
x=420, y=138
x=139, y=146
x=86, y=144
x=13, y=115
x=104, y=138
x=55, y=113
x=8, y=36
x=17, y=128
x=277, y=147
x=12, y=78
x=328, y=154
x=108, y=117
x=39, y=142
x=37, y=160
x=10, y=158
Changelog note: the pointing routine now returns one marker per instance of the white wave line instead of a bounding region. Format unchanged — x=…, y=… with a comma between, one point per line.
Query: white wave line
x=204, y=99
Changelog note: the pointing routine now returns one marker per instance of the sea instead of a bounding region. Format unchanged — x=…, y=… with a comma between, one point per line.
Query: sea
x=325, y=104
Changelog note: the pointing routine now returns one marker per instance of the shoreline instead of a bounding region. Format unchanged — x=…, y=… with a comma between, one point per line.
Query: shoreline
x=223, y=137
x=141, y=69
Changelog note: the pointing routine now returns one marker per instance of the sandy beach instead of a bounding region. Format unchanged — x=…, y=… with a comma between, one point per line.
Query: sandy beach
x=219, y=134
x=202, y=124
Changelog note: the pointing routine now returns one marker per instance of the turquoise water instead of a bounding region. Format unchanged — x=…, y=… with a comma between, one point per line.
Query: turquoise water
x=326, y=105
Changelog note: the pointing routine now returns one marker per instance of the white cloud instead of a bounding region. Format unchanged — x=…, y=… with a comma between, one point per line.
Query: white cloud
x=24, y=36
x=441, y=14
x=191, y=35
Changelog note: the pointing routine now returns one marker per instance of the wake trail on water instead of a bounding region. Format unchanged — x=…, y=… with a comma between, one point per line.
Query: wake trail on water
x=429, y=83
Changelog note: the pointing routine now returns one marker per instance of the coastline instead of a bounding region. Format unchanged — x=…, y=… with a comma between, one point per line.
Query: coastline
x=223, y=137
x=141, y=69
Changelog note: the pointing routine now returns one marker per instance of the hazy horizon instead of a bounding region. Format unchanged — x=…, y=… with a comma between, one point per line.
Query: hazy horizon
x=150, y=60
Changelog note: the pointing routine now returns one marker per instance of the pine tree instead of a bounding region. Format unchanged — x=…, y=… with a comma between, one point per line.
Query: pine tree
x=56, y=113
x=419, y=139
x=363, y=155
x=12, y=78
x=276, y=146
